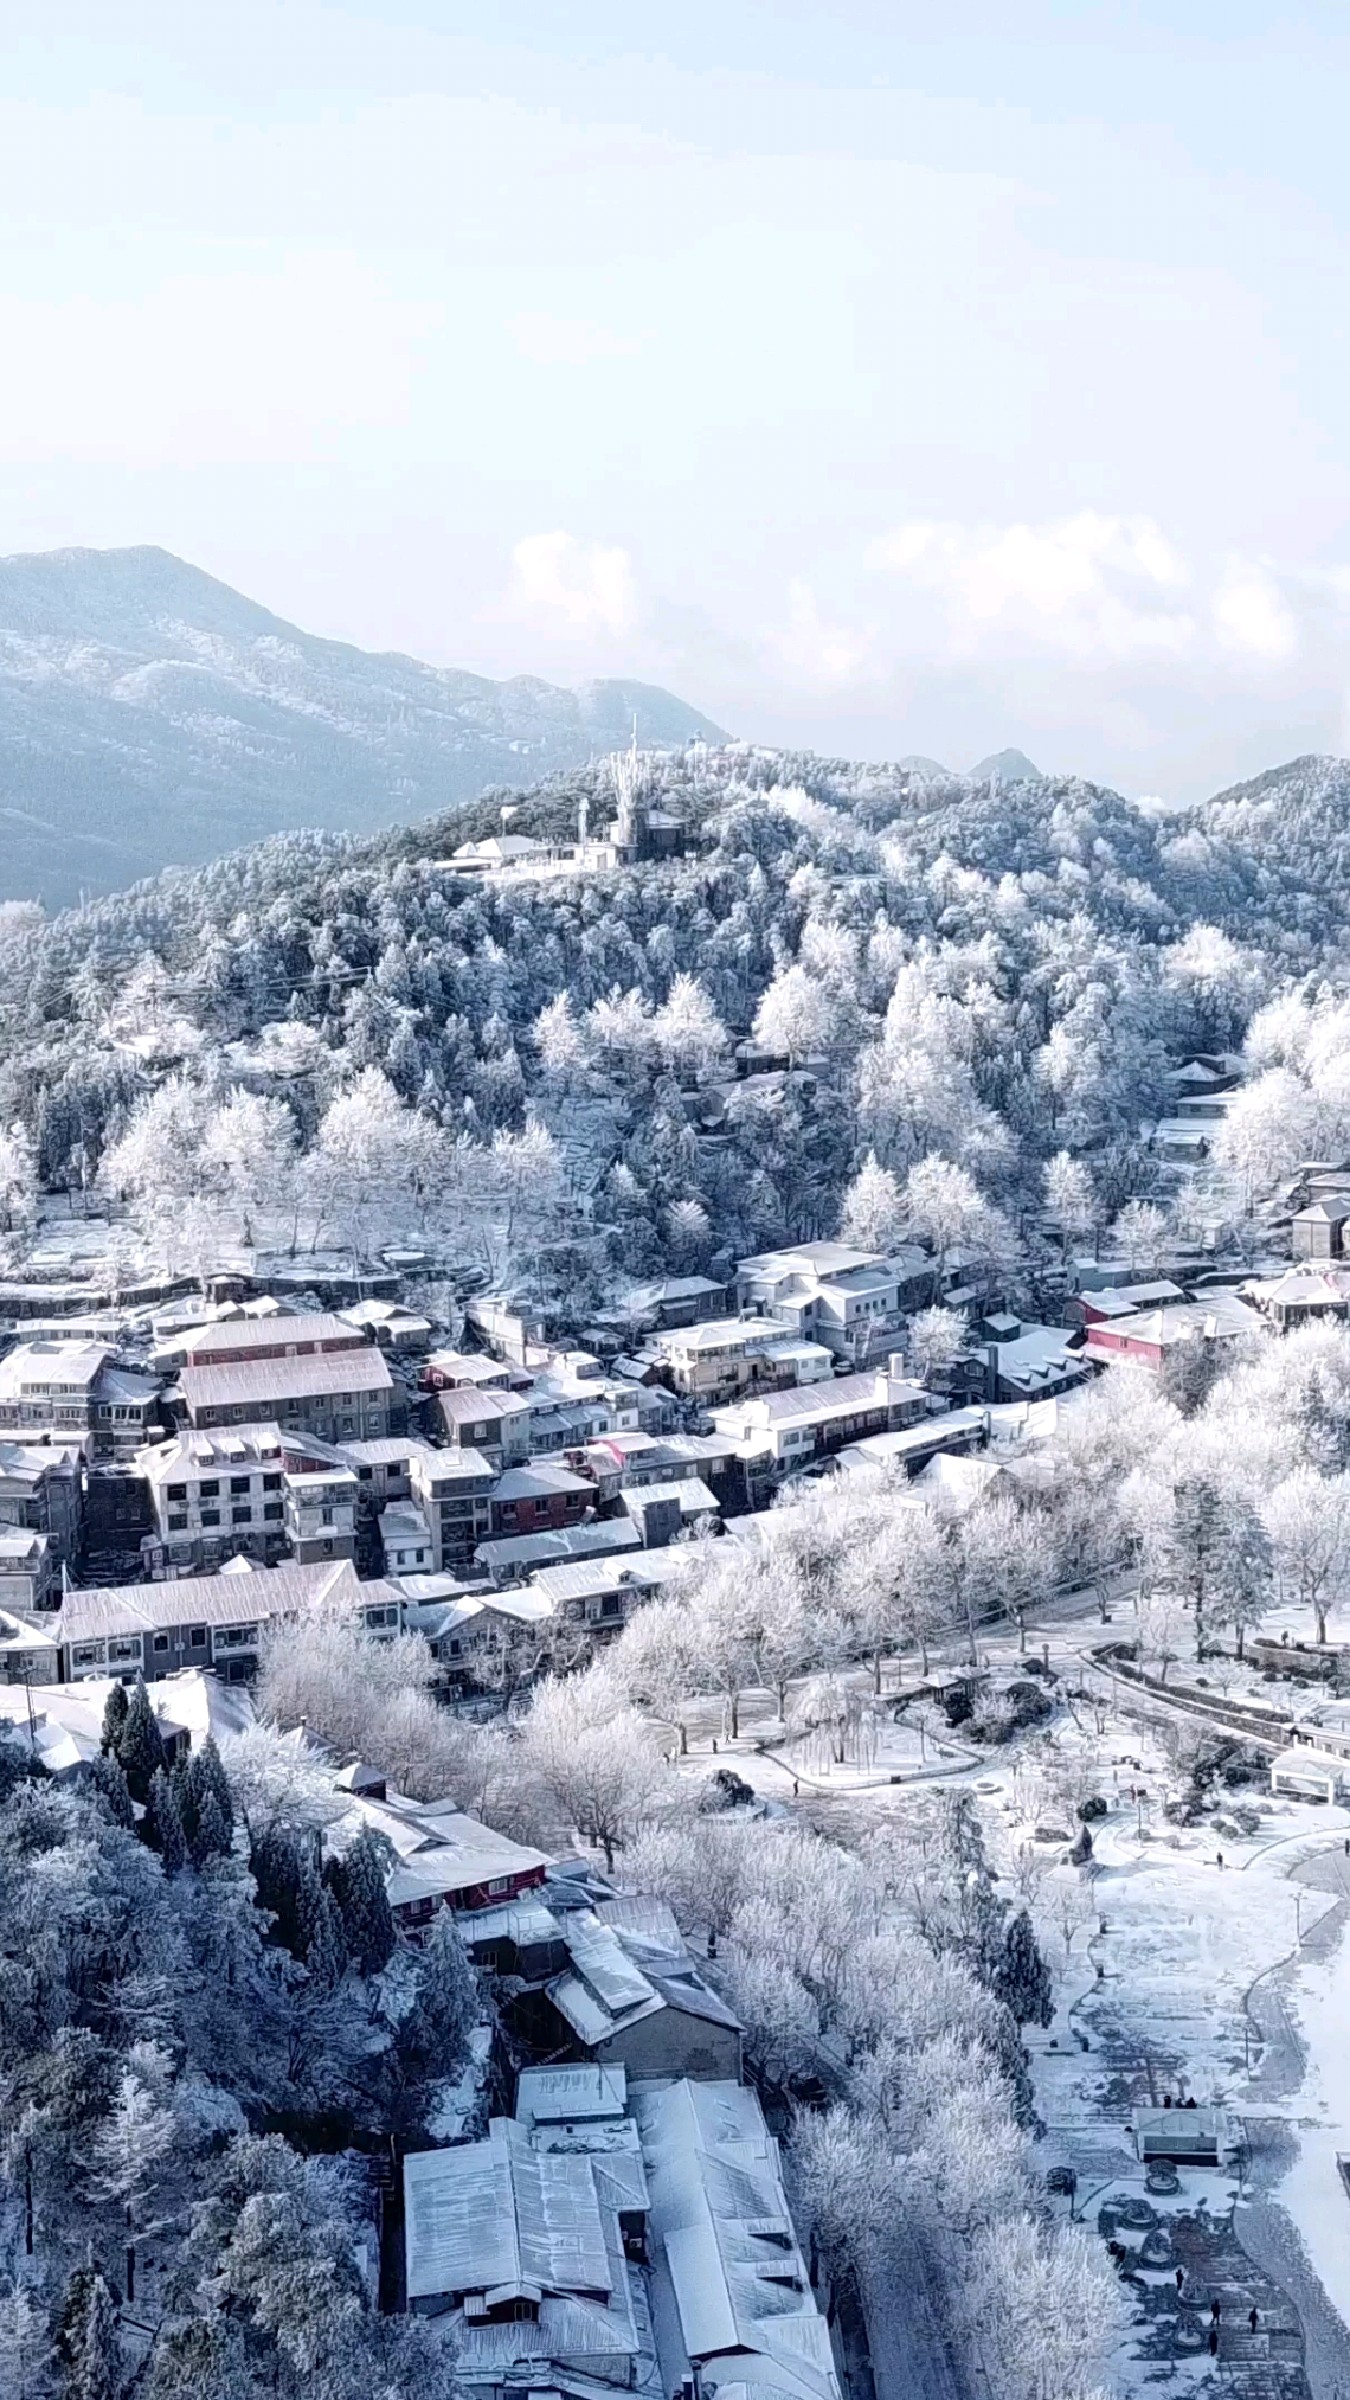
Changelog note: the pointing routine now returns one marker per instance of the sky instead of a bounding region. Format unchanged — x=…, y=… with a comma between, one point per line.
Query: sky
x=883, y=378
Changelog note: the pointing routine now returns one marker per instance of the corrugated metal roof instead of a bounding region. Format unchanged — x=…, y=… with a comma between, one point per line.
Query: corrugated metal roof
x=266, y=1379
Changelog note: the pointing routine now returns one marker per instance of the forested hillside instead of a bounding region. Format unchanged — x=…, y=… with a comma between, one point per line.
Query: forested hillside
x=149, y=716
x=990, y=974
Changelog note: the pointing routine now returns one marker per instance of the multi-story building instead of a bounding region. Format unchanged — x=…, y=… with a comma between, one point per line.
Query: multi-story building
x=540, y=1498
x=453, y=1490
x=29, y=1576
x=720, y=1360
x=42, y=1488
x=337, y=1395
x=260, y=1493
x=77, y=1387
x=854, y=1301
x=495, y=1422
x=785, y=1430
x=215, y=1621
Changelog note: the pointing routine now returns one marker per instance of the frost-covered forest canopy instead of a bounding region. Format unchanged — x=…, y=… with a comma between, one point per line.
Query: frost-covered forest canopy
x=985, y=975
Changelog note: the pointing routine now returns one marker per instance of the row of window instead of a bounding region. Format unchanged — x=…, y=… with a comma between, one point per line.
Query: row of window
x=273, y=1512
x=210, y=1489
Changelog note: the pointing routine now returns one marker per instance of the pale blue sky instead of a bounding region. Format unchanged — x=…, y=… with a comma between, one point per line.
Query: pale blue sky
x=877, y=386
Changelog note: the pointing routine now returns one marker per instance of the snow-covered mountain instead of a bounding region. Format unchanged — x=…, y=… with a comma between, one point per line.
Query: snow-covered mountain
x=150, y=716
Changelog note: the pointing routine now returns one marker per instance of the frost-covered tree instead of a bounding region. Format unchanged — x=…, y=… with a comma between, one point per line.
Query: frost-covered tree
x=1307, y=1520
x=874, y=1213
x=796, y=1017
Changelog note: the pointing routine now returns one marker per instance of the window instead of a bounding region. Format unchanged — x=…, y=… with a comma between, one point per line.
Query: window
x=271, y=1483
x=161, y=1642
x=272, y=1512
x=239, y=1483
x=210, y=1491
x=175, y=1491
x=178, y=1524
x=210, y=1516
x=499, y=1884
x=326, y=1516
x=197, y=1637
x=241, y=1516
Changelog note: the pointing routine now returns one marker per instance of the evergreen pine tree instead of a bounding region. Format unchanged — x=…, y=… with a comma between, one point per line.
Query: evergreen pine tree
x=109, y=1781
x=1021, y=1977
x=279, y=1869
x=326, y=1953
x=213, y=1837
x=185, y=1800
x=1082, y=1849
x=208, y=1775
x=86, y=2342
x=357, y=1881
x=163, y=1826
x=114, y=1718
x=139, y=1747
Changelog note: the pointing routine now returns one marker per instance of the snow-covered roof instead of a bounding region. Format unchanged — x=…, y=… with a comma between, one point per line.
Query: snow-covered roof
x=223, y=1599
x=540, y=1482
x=570, y=2095
x=524, y=1550
x=720, y=2214
x=438, y=1850
x=361, y=1369
x=501, y=2216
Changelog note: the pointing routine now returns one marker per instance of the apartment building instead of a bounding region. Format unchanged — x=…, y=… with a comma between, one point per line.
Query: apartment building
x=495, y=1422
x=42, y=1486
x=336, y=1395
x=452, y=1491
x=216, y=1621
x=260, y=1493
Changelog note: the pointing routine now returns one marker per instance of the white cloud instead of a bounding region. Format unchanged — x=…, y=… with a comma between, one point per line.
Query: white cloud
x=1092, y=587
x=1251, y=615
x=572, y=587
x=571, y=341
x=821, y=652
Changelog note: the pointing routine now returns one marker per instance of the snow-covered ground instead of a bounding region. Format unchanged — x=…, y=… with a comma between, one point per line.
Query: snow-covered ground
x=1226, y=1982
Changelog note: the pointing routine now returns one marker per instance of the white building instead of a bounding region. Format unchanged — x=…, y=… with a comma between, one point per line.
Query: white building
x=854, y=1301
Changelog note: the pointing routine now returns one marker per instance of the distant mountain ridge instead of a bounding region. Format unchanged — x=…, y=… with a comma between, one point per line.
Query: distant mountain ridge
x=151, y=716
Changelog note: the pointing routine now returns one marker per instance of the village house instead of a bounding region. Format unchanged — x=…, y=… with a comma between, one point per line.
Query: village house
x=744, y=2317
x=30, y=1577
x=1102, y=1307
x=909, y=1449
x=597, y=1596
x=514, y=1556
x=259, y=1493
x=1028, y=1362
x=440, y=1858
x=29, y=1650
x=539, y=1498
x=74, y=1387
x=339, y=1394
x=455, y=1370
x=215, y=1621
x=42, y=1487
x=1318, y=1231
x=405, y=1539
x=854, y=1301
x=389, y=1324
x=719, y=1360
x=524, y=2247
x=1147, y=1335
x=453, y=1492
x=622, y=1992
x=785, y=1430
x=495, y=1422
x=480, y=1641
x=675, y=1300
x=1301, y=1296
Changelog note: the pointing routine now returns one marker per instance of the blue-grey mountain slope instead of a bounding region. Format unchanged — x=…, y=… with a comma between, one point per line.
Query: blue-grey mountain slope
x=151, y=716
